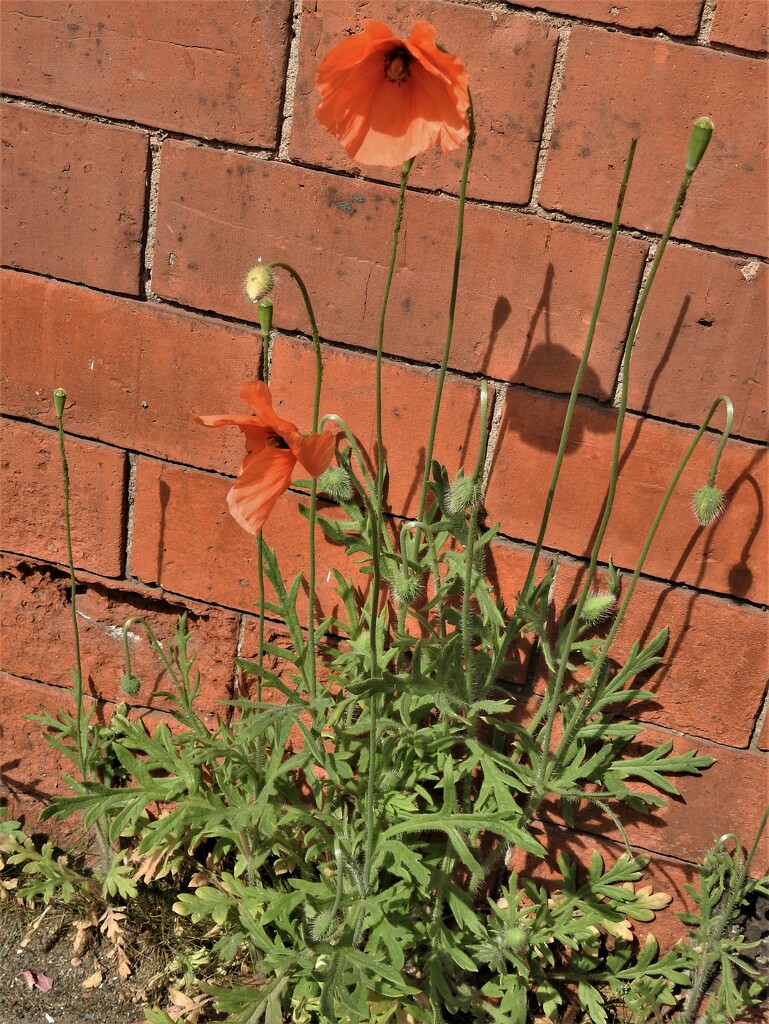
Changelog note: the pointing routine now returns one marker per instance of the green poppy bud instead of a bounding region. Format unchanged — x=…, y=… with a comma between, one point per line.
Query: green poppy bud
x=335, y=482
x=130, y=684
x=708, y=504
x=698, y=142
x=59, y=398
x=597, y=606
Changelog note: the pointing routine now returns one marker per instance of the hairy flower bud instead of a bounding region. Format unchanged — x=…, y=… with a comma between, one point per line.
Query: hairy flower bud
x=130, y=684
x=463, y=494
x=597, y=606
x=259, y=283
x=335, y=482
x=708, y=504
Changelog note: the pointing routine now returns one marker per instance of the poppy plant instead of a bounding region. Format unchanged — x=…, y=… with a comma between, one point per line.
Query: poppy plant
x=274, y=448
x=389, y=99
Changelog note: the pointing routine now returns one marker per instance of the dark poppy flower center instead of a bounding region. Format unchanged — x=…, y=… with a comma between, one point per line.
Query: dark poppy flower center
x=275, y=441
x=397, y=65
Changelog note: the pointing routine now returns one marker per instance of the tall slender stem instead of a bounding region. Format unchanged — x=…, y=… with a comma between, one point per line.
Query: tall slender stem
x=555, y=692
x=512, y=624
x=450, y=322
x=376, y=569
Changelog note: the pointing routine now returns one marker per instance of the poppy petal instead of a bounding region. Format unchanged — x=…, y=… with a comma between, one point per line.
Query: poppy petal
x=256, y=435
x=258, y=396
x=264, y=476
x=316, y=451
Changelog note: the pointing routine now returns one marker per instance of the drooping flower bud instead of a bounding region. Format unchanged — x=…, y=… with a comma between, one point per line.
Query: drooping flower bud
x=59, y=398
x=708, y=504
x=259, y=283
x=698, y=142
x=130, y=685
x=335, y=482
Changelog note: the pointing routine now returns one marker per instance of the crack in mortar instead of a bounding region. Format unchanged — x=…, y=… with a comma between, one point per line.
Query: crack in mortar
x=706, y=21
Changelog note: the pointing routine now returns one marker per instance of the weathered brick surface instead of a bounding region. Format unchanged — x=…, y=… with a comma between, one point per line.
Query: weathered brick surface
x=704, y=333
x=30, y=769
x=185, y=540
x=32, y=518
x=714, y=645
x=728, y=557
x=616, y=86
x=662, y=873
x=73, y=198
x=526, y=289
x=38, y=637
x=743, y=23
x=135, y=373
x=509, y=60
x=680, y=18
x=729, y=797
x=408, y=396
x=213, y=68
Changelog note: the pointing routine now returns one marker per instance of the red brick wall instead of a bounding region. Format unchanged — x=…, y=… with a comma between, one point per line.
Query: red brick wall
x=152, y=152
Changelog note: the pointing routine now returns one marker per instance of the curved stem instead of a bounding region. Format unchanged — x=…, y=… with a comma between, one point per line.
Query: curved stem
x=604, y=650
x=313, y=488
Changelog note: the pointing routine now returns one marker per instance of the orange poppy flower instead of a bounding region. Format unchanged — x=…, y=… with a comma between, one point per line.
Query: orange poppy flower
x=388, y=99
x=275, y=446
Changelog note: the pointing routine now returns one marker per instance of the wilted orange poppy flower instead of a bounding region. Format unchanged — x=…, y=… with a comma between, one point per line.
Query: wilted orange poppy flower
x=275, y=446
x=388, y=99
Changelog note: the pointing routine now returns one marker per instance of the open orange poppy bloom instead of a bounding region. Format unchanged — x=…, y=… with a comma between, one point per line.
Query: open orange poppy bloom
x=275, y=446
x=387, y=99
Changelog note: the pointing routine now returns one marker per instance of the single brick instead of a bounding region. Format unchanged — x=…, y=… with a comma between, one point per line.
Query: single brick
x=692, y=692
x=655, y=90
x=32, y=518
x=681, y=18
x=664, y=874
x=728, y=556
x=37, y=623
x=135, y=372
x=73, y=198
x=704, y=332
x=509, y=60
x=526, y=289
x=212, y=68
x=185, y=540
x=743, y=23
x=408, y=394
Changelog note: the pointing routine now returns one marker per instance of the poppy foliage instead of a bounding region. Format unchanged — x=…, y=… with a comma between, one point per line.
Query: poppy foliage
x=274, y=447
x=388, y=99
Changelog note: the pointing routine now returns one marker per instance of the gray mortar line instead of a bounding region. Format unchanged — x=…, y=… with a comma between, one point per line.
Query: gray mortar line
x=156, y=145
x=292, y=70
x=706, y=21
x=500, y=395
x=133, y=460
x=554, y=92
x=644, y=278
x=761, y=718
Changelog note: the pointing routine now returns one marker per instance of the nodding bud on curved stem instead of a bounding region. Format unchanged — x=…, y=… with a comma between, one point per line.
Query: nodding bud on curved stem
x=708, y=504
x=698, y=142
x=259, y=283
